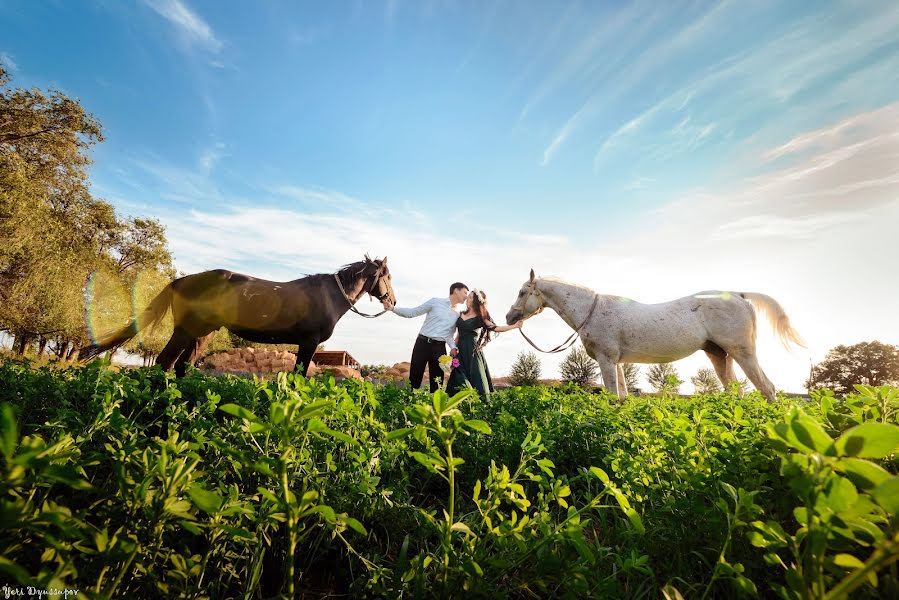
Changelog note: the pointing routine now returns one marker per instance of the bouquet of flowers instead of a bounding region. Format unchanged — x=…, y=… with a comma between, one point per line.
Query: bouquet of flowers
x=447, y=364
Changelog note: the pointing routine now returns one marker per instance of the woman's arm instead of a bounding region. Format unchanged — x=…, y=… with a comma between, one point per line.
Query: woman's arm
x=501, y=328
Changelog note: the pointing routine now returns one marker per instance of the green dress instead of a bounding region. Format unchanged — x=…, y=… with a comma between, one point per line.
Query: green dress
x=472, y=370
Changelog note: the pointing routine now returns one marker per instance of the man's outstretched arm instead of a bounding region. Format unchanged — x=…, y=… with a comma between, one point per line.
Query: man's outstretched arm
x=408, y=312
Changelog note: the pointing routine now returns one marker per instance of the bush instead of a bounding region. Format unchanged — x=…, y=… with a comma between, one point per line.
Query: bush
x=579, y=368
x=525, y=369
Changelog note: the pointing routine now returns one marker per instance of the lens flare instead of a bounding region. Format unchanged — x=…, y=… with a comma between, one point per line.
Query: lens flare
x=107, y=305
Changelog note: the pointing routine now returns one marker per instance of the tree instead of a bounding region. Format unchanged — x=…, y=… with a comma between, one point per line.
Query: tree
x=865, y=363
x=376, y=371
x=525, y=369
x=706, y=381
x=579, y=367
x=631, y=375
x=663, y=378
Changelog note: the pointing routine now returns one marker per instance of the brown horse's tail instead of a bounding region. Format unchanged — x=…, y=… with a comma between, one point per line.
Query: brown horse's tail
x=154, y=313
x=778, y=318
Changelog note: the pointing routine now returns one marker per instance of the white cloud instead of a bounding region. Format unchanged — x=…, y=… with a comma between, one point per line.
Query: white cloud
x=210, y=156
x=7, y=60
x=795, y=232
x=769, y=78
x=194, y=29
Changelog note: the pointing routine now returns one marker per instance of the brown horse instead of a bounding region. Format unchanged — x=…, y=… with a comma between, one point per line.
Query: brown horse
x=303, y=311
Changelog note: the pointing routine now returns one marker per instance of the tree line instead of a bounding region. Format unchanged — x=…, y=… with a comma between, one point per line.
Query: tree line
x=55, y=235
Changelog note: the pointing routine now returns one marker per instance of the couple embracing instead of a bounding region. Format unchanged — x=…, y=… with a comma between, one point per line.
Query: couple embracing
x=466, y=334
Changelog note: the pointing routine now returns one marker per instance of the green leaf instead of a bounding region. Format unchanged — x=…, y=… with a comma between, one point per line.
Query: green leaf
x=15, y=571
x=398, y=433
x=809, y=433
x=601, y=474
x=869, y=440
x=317, y=426
x=355, y=525
x=460, y=526
x=635, y=520
x=478, y=425
x=847, y=561
x=839, y=494
x=238, y=532
x=432, y=463
x=864, y=474
x=9, y=432
x=239, y=411
x=205, y=500
x=187, y=525
x=851, y=563
x=887, y=495
x=310, y=410
x=326, y=511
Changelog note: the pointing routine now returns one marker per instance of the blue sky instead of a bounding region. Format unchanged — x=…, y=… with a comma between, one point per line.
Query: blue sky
x=649, y=149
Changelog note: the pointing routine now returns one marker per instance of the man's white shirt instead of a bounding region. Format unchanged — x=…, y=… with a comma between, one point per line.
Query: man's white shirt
x=440, y=323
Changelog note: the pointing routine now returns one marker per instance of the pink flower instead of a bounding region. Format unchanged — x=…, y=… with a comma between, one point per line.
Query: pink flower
x=455, y=363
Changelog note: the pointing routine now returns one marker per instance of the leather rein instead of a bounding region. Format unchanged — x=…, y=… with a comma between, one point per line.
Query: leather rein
x=568, y=343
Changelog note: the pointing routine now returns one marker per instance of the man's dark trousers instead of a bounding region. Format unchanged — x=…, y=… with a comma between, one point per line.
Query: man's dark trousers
x=427, y=351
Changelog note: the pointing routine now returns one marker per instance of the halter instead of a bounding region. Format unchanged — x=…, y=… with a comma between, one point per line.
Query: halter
x=369, y=292
x=568, y=343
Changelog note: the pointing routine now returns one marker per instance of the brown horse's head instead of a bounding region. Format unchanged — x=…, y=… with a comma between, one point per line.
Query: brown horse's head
x=377, y=279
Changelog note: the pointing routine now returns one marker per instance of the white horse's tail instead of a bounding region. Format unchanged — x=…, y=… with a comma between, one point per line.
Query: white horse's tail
x=777, y=317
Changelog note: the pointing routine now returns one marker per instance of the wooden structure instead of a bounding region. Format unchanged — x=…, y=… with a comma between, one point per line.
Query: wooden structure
x=334, y=358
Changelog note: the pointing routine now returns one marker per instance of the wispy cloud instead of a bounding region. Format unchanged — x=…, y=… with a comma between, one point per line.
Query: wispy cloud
x=190, y=25
x=775, y=78
x=7, y=61
x=635, y=71
x=210, y=156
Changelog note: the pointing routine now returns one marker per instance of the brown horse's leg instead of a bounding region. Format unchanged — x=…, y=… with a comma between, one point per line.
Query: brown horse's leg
x=176, y=346
x=305, y=352
x=192, y=353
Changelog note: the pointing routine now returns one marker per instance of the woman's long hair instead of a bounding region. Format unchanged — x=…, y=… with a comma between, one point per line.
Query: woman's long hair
x=480, y=309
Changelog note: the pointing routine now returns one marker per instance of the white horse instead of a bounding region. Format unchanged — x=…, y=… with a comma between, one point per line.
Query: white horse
x=616, y=330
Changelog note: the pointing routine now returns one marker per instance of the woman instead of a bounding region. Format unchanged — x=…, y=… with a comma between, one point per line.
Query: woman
x=473, y=330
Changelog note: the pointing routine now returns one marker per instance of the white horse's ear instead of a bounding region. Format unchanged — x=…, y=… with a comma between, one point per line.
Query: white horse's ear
x=532, y=275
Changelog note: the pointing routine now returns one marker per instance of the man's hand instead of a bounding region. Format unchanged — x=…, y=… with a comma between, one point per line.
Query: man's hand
x=454, y=352
x=388, y=305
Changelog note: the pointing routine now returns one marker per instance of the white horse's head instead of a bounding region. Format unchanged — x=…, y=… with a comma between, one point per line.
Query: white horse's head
x=528, y=303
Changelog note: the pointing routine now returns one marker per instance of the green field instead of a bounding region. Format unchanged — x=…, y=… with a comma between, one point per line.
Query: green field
x=131, y=484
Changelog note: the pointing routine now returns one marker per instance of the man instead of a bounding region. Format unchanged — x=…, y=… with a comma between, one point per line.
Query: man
x=435, y=334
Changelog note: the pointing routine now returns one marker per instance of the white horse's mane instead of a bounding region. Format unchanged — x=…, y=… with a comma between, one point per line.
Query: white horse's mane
x=554, y=279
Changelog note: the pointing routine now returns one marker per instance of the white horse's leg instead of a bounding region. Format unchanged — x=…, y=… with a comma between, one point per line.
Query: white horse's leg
x=731, y=375
x=723, y=363
x=622, y=381
x=609, y=375
x=750, y=366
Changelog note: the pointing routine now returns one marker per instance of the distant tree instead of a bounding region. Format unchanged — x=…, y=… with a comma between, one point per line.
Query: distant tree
x=631, y=375
x=866, y=363
x=525, y=369
x=579, y=367
x=377, y=371
x=663, y=377
x=706, y=381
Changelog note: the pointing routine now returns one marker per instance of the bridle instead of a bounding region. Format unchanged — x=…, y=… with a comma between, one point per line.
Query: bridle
x=568, y=343
x=369, y=291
